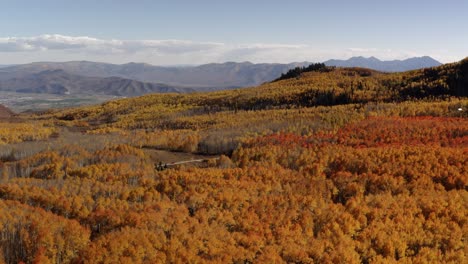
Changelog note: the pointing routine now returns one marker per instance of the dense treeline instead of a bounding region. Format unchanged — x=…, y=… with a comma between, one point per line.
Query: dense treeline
x=296, y=72
x=368, y=181
x=450, y=79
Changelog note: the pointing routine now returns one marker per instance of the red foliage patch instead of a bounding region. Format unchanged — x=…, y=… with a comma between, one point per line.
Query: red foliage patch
x=380, y=132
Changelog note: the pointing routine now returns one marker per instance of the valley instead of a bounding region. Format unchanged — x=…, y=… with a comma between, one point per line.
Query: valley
x=20, y=102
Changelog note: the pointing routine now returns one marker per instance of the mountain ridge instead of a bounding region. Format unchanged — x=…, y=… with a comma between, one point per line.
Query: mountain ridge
x=134, y=79
x=221, y=75
x=386, y=65
x=63, y=83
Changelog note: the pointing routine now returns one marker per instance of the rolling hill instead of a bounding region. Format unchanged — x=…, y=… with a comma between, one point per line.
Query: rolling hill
x=335, y=86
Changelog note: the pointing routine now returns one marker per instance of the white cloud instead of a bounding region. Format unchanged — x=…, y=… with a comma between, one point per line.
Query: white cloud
x=174, y=46
x=57, y=47
x=46, y=42
x=14, y=45
x=88, y=44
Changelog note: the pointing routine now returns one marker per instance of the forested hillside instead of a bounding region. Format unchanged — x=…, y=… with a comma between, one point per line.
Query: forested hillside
x=330, y=166
x=300, y=89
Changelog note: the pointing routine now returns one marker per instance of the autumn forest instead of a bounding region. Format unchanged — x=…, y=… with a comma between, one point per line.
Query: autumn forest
x=322, y=165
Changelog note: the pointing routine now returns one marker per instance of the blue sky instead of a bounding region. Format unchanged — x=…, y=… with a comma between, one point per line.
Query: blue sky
x=194, y=32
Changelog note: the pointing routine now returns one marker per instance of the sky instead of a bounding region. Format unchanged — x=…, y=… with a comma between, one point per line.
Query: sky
x=176, y=32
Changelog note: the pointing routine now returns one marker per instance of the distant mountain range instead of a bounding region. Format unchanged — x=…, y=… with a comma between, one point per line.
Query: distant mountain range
x=386, y=66
x=64, y=83
x=133, y=79
x=218, y=75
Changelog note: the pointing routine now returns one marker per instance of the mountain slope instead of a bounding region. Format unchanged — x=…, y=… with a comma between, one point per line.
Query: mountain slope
x=386, y=66
x=61, y=82
x=339, y=86
x=222, y=75
x=219, y=75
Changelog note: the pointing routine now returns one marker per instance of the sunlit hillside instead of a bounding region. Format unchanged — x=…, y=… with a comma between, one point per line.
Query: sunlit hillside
x=320, y=87
x=326, y=165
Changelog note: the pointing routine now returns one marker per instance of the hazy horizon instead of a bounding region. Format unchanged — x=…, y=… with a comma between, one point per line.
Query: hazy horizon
x=193, y=33
x=194, y=65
